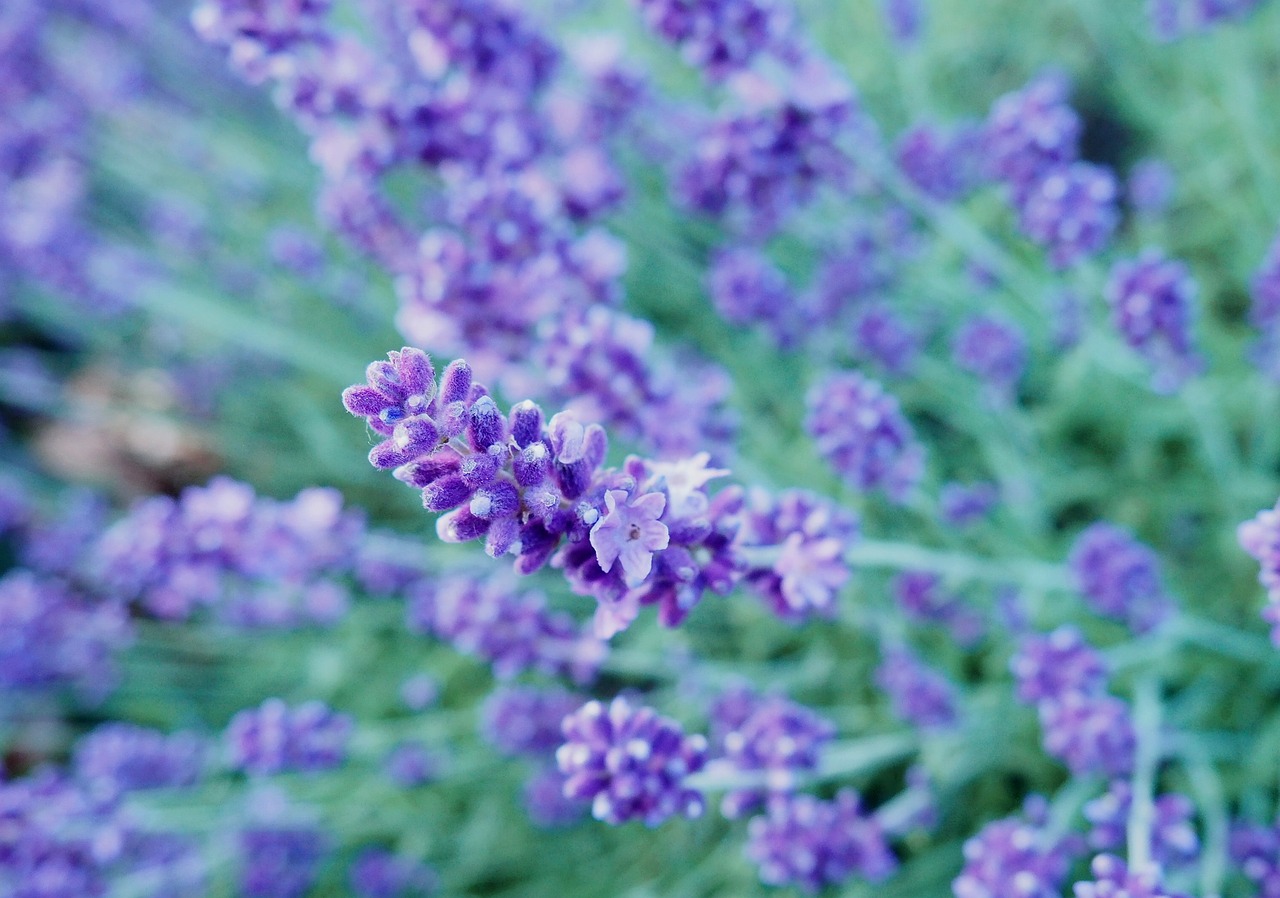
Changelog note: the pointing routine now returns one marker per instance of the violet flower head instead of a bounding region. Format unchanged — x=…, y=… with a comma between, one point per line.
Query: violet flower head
x=720, y=37
x=629, y=532
x=1256, y=852
x=47, y=834
x=274, y=738
x=1152, y=303
x=631, y=763
x=1173, y=837
x=376, y=873
x=1030, y=131
x=52, y=637
x=769, y=734
x=1017, y=856
x=1071, y=211
x=963, y=505
x=861, y=432
x=942, y=163
x=1264, y=312
x=924, y=598
x=280, y=862
x=1150, y=187
x=526, y=720
x=1112, y=878
x=1091, y=734
x=1049, y=667
x=1120, y=576
x=919, y=695
x=994, y=350
x=119, y=757
x=747, y=288
x=862, y=265
x=1260, y=537
x=411, y=763
x=881, y=336
x=545, y=802
x=510, y=628
x=809, y=537
x=811, y=844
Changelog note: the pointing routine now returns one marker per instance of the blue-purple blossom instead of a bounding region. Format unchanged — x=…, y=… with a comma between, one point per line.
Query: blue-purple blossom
x=1051, y=666
x=376, y=873
x=1264, y=312
x=1113, y=878
x=1071, y=211
x=274, y=738
x=963, y=505
x=119, y=757
x=1173, y=836
x=629, y=532
x=546, y=803
x=1120, y=576
x=47, y=829
x=412, y=763
x=994, y=350
x=746, y=288
x=1017, y=856
x=881, y=336
x=51, y=636
x=942, y=163
x=765, y=733
x=861, y=432
x=1030, y=131
x=494, y=619
x=720, y=37
x=277, y=862
x=812, y=844
x=924, y=598
x=630, y=763
x=1256, y=851
x=919, y=695
x=526, y=720
x=905, y=19
x=1260, y=537
x=1152, y=303
x=807, y=538
x=1091, y=734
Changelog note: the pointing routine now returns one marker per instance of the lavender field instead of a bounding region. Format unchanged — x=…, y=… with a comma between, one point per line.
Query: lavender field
x=639, y=448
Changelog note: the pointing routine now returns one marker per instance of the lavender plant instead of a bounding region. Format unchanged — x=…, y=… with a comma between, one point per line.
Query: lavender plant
x=842, y=456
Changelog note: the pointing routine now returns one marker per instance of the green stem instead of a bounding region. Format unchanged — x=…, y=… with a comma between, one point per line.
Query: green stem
x=1146, y=720
x=839, y=760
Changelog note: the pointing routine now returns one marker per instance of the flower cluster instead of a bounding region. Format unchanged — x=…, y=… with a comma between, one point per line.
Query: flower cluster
x=923, y=598
x=1017, y=856
x=767, y=734
x=812, y=844
x=630, y=763
x=255, y=562
x=861, y=432
x=1152, y=303
x=918, y=694
x=1260, y=537
x=275, y=737
x=1120, y=577
x=1173, y=837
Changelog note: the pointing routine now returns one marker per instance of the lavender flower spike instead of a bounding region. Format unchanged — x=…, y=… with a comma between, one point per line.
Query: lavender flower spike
x=629, y=533
x=1152, y=303
x=1260, y=537
x=630, y=762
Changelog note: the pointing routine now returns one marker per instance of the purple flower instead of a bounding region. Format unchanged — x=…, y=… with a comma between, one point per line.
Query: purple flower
x=279, y=862
x=630, y=762
x=920, y=695
x=1112, y=877
x=994, y=350
x=812, y=844
x=861, y=432
x=769, y=734
x=47, y=830
x=376, y=873
x=119, y=757
x=411, y=763
x=274, y=738
x=746, y=288
x=1017, y=857
x=1091, y=734
x=941, y=163
x=50, y=636
x=719, y=37
x=905, y=19
x=511, y=628
x=1120, y=577
x=546, y=803
x=1031, y=131
x=525, y=720
x=1152, y=303
x=1264, y=312
x=1071, y=211
x=883, y=337
x=1173, y=837
x=1049, y=667
x=965, y=504
x=419, y=692
x=629, y=532
x=923, y=598
x=809, y=536
x=1256, y=850
x=1260, y=537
